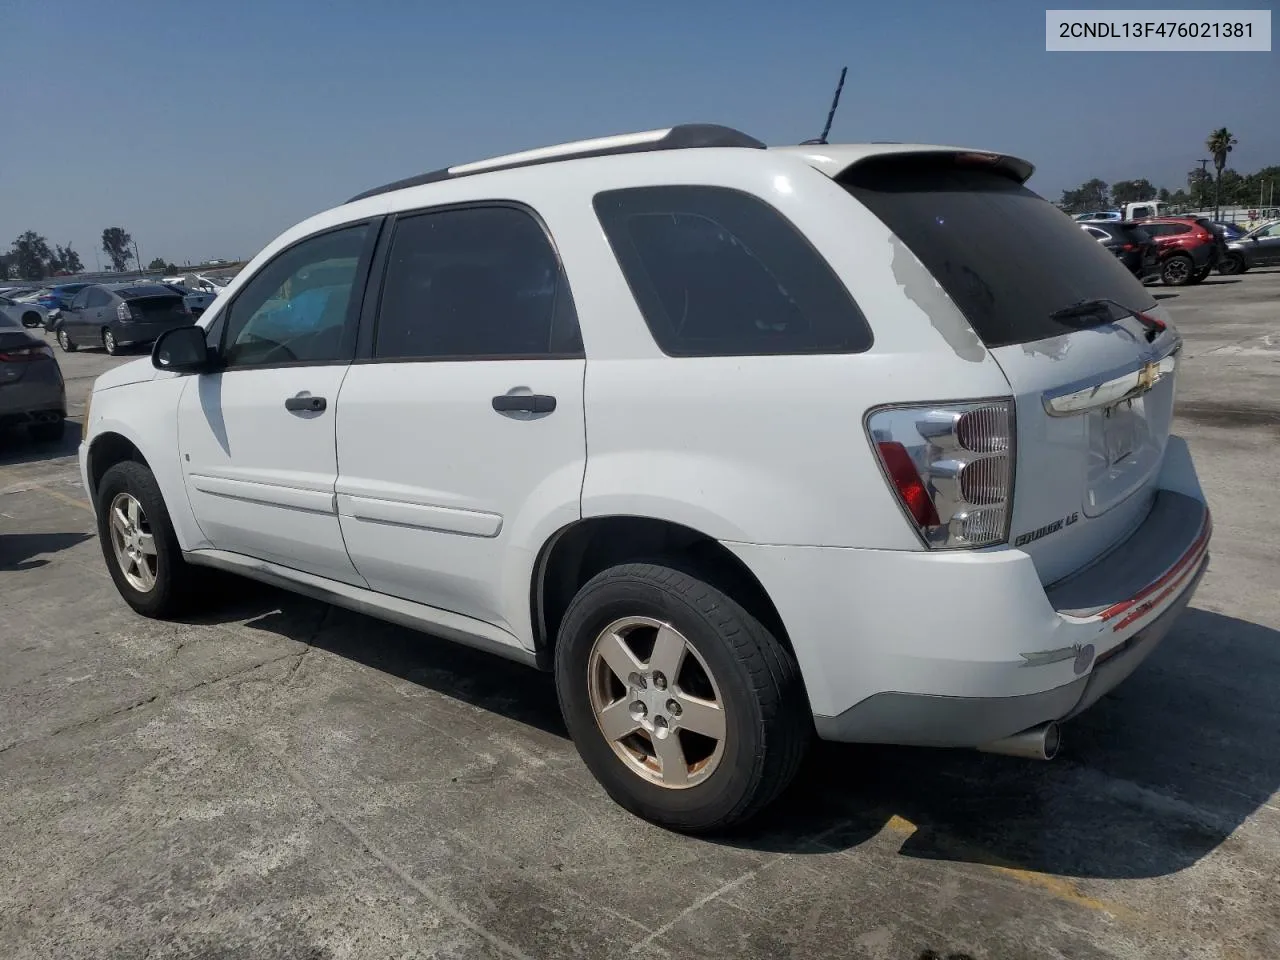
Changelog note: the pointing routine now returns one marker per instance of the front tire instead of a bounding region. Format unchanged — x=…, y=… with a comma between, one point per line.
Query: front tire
x=64, y=340
x=138, y=542
x=686, y=708
x=1177, y=270
x=1200, y=275
x=1232, y=266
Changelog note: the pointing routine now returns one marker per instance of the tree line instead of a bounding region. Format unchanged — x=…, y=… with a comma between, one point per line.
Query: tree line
x=30, y=256
x=1223, y=187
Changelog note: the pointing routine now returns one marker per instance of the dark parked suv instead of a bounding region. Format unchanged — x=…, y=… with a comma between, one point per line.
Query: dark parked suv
x=117, y=315
x=1130, y=244
x=1189, y=248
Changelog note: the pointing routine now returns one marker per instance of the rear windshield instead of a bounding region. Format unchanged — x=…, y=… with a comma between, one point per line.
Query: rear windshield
x=1007, y=258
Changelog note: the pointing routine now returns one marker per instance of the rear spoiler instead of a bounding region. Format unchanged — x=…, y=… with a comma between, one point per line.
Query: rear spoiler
x=836, y=160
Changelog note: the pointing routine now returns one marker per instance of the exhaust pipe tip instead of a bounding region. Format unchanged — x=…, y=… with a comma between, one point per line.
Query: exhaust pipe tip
x=1038, y=743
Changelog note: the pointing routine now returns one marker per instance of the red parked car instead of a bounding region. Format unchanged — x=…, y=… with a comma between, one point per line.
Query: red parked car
x=1189, y=248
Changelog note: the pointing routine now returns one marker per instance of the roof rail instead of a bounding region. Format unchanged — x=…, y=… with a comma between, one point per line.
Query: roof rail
x=680, y=137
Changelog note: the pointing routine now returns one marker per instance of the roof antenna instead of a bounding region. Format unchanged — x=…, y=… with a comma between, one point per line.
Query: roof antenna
x=835, y=102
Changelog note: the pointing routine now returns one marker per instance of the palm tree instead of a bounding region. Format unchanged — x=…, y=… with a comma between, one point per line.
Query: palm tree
x=1219, y=143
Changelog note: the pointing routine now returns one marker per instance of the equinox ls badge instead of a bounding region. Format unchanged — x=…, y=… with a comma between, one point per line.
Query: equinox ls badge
x=1048, y=528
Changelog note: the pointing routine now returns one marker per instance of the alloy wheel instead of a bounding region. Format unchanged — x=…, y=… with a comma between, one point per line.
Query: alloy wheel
x=656, y=702
x=1177, y=270
x=133, y=543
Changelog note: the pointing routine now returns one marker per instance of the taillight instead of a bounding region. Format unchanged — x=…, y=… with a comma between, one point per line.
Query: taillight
x=951, y=467
x=26, y=354
x=123, y=312
x=1129, y=246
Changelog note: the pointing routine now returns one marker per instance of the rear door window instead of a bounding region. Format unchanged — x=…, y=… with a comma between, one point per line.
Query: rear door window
x=481, y=283
x=1007, y=258
x=97, y=298
x=717, y=272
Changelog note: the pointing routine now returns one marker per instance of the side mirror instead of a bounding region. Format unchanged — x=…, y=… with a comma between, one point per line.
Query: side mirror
x=183, y=350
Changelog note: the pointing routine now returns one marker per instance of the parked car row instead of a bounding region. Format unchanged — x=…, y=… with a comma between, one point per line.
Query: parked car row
x=1185, y=250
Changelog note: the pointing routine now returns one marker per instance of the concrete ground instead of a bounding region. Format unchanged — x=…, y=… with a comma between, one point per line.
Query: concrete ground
x=279, y=779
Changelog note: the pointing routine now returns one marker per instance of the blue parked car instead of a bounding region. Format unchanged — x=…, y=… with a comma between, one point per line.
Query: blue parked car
x=59, y=297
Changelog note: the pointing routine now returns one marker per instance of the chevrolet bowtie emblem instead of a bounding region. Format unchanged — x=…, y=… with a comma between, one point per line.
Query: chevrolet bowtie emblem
x=1148, y=376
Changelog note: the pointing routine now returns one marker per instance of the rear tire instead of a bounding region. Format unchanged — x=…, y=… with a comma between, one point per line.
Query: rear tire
x=165, y=588
x=1232, y=266
x=730, y=760
x=109, y=343
x=1177, y=270
x=64, y=340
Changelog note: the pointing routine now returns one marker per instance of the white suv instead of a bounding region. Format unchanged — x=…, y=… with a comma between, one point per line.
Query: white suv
x=740, y=442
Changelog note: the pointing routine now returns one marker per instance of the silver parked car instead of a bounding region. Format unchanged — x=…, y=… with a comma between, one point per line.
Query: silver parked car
x=23, y=314
x=1260, y=247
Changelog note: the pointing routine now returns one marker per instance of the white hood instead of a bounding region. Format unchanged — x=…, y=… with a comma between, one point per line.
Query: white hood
x=135, y=371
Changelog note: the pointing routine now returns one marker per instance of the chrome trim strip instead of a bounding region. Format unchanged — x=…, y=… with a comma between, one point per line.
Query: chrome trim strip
x=1114, y=387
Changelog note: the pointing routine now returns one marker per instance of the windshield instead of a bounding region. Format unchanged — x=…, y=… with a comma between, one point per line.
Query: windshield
x=1008, y=259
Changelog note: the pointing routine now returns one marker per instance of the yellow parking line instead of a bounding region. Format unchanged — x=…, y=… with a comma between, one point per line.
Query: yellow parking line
x=65, y=498
x=1062, y=889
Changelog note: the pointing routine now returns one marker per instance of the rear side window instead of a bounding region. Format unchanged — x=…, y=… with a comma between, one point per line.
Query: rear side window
x=471, y=284
x=1008, y=259
x=717, y=272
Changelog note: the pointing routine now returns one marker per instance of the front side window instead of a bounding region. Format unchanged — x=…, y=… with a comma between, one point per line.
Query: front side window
x=718, y=272
x=298, y=308
x=475, y=283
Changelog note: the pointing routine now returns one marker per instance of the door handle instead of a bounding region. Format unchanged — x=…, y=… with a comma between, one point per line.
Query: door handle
x=307, y=404
x=528, y=402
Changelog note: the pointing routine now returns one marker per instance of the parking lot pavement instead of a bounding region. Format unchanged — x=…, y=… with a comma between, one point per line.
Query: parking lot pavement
x=279, y=779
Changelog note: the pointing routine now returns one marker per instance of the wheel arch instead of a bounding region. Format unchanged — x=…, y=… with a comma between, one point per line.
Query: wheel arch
x=105, y=451
x=578, y=551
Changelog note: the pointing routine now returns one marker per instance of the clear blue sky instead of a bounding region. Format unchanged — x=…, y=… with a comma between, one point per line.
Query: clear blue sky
x=207, y=128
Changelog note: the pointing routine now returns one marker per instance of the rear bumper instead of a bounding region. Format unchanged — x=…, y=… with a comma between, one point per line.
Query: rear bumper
x=912, y=647
x=39, y=395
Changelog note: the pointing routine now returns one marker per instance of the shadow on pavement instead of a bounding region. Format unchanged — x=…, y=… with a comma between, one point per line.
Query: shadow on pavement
x=21, y=551
x=17, y=447
x=1150, y=780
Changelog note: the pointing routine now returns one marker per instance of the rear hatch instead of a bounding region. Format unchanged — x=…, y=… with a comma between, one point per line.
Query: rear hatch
x=1219, y=237
x=1074, y=332
x=159, y=308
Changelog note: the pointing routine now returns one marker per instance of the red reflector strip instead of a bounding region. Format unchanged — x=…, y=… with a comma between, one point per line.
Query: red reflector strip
x=1175, y=573
x=1147, y=606
x=908, y=483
